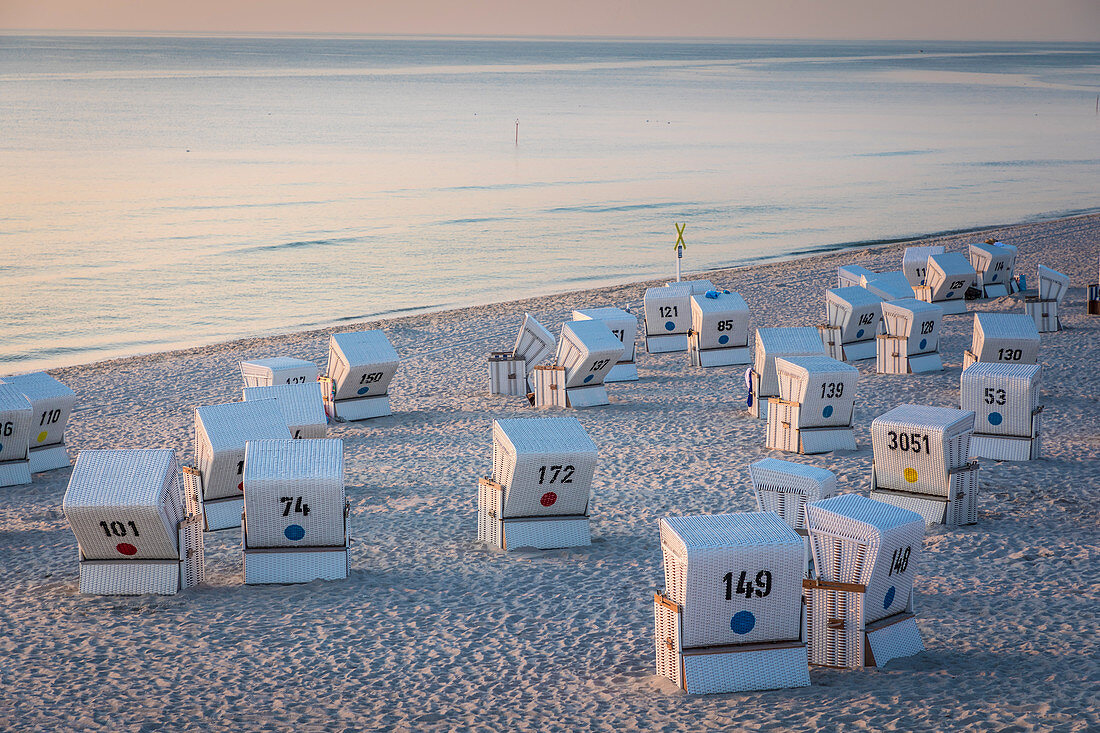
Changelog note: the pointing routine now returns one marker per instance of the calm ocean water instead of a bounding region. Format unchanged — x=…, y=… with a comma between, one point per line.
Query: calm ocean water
x=161, y=192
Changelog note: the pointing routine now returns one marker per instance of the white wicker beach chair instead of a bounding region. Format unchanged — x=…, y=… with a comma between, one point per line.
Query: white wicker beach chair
x=888, y=285
x=719, y=334
x=667, y=318
x=1011, y=338
x=361, y=365
x=221, y=432
x=587, y=351
x=994, y=264
x=772, y=343
x=548, y=387
x=921, y=463
x=129, y=515
x=852, y=316
x=697, y=286
x=301, y=404
x=1005, y=401
x=510, y=372
x=507, y=374
x=848, y=276
x=730, y=618
x=1044, y=308
x=786, y=487
x=542, y=481
x=625, y=327
x=914, y=263
x=912, y=339
x=51, y=404
x=813, y=413
x=860, y=605
x=949, y=275
x=295, y=511
x=278, y=370
x=16, y=426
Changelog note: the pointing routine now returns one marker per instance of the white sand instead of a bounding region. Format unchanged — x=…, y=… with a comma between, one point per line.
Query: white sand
x=434, y=632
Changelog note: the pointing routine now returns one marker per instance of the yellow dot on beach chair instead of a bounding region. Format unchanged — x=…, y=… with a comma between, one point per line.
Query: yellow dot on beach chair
x=911, y=475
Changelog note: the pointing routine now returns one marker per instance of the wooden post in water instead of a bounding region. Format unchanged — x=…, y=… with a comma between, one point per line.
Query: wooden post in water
x=517, y=132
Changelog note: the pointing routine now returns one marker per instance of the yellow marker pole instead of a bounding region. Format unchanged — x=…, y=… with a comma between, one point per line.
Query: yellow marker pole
x=680, y=247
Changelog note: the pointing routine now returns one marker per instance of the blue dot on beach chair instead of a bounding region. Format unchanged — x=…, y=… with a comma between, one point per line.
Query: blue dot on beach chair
x=889, y=599
x=995, y=418
x=364, y=390
x=294, y=532
x=742, y=622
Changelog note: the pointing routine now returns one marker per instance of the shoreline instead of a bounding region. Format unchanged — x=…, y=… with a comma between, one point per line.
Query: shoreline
x=434, y=632
x=381, y=320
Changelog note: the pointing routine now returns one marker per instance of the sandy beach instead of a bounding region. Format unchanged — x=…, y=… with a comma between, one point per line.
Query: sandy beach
x=434, y=632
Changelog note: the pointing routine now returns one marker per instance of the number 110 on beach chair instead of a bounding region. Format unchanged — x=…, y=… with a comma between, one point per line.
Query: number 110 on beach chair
x=51, y=404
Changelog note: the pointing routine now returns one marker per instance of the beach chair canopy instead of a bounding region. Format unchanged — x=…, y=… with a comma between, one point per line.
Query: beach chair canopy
x=1052, y=284
x=125, y=504
x=774, y=342
x=294, y=493
x=855, y=310
x=721, y=319
x=361, y=364
x=51, y=404
x=15, y=423
x=278, y=370
x=993, y=263
x=588, y=350
x=786, y=487
x=914, y=262
x=949, y=275
x=824, y=387
x=888, y=285
x=534, y=344
x=736, y=577
x=1007, y=337
x=852, y=275
x=301, y=405
x=915, y=320
x=916, y=446
x=545, y=466
x=623, y=324
x=220, y=434
x=667, y=310
x=1003, y=397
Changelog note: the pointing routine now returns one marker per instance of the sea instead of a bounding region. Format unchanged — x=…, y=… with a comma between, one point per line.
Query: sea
x=160, y=192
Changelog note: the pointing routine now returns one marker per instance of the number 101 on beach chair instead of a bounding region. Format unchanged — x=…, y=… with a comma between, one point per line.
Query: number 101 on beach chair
x=137, y=531
x=730, y=618
x=542, y=481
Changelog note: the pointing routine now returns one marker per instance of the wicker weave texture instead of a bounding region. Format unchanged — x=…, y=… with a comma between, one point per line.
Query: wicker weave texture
x=546, y=534
x=278, y=370
x=1003, y=397
x=949, y=275
x=852, y=275
x=916, y=447
x=545, y=465
x=785, y=487
x=856, y=311
x=113, y=578
x=587, y=350
x=51, y=404
x=720, y=322
x=860, y=540
x=782, y=342
x=932, y=509
x=834, y=627
x=824, y=387
x=1005, y=448
x=786, y=432
x=888, y=285
x=1007, y=337
x=294, y=493
x=534, y=344
x=1053, y=285
x=1044, y=313
x=623, y=324
x=294, y=566
x=916, y=321
x=15, y=424
x=895, y=641
x=220, y=434
x=914, y=262
x=667, y=310
x=490, y=500
x=666, y=623
x=301, y=405
x=754, y=558
x=361, y=364
x=731, y=356
x=994, y=263
x=125, y=504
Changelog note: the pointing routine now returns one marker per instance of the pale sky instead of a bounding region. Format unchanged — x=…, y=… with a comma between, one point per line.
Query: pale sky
x=1046, y=20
